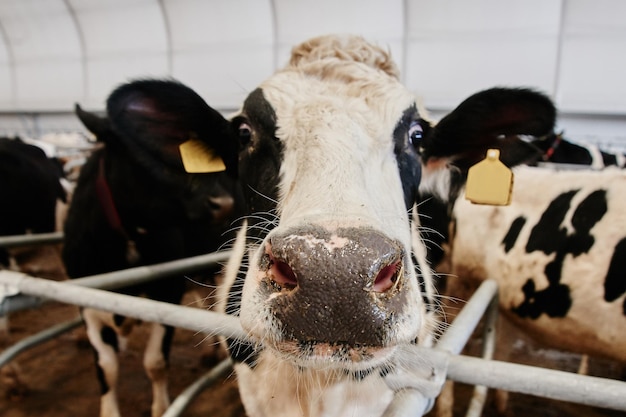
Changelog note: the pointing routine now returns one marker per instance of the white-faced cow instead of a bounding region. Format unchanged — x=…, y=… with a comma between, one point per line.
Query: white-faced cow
x=325, y=282
x=557, y=251
x=135, y=204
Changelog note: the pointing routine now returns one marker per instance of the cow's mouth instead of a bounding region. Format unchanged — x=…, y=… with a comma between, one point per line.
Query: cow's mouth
x=339, y=356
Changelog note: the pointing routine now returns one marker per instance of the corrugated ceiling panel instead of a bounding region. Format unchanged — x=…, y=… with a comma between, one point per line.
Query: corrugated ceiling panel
x=593, y=66
x=46, y=52
x=380, y=21
x=6, y=75
x=124, y=39
x=457, y=48
x=223, y=49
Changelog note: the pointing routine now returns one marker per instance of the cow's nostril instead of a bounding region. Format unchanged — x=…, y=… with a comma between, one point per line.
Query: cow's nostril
x=282, y=274
x=386, y=277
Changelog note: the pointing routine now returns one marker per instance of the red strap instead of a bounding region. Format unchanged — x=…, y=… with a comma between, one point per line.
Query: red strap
x=106, y=201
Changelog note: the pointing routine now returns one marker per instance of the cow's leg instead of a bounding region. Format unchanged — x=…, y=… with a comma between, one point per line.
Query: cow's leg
x=104, y=340
x=444, y=406
x=155, y=363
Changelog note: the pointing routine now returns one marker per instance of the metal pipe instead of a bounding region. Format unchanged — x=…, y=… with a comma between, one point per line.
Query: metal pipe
x=141, y=274
x=126, y=277
x=38, y=339
x=558, y=385
x=30, y=239
x=148, y=310
x=479, y=396
x=410, y=402
x=185, y=398
x=547, y=383
x=461, y=329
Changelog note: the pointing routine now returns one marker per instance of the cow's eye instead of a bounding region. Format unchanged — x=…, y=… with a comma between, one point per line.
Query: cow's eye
x=245, y=133
x=415, y=133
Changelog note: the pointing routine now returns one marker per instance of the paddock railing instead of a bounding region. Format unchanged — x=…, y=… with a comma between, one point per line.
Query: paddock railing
x=564, y=386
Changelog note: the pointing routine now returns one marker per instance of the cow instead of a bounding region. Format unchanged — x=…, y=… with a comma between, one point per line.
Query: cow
x=328, y=277
x=136, y=204
x=31, y=188
x=555, y=250
x=326, y=162
x=556, y=149
x=32, y=193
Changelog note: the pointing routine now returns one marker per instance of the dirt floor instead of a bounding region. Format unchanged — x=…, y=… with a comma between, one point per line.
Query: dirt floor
x=58, y=377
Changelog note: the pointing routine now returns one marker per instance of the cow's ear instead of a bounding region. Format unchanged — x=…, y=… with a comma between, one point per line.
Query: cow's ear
x=94, y=123
x=494, y=118
x=159, y=115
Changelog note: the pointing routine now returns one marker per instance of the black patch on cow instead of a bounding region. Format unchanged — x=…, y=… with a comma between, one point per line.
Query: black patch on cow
x=104, y=387
x=166, y=343
x=554, y=301
x=407, y=138
x=118, y=319
x=615, y=282
x=260, y=155
x=511, y=236
x=549, y=237
x=109, y=337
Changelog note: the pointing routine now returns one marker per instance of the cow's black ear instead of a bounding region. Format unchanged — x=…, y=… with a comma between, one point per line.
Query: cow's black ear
x=94, y=123
x=157, y=114
x=493, y=118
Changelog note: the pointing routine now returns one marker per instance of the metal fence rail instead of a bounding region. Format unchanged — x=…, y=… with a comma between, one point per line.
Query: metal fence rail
x=30, y=239
x=120, y=279
x=564, y=386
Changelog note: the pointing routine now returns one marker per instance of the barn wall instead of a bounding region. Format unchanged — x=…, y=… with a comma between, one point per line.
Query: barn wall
x=54, y=53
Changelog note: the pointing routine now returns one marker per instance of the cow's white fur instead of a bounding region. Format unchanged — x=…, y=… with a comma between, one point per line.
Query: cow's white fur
x=337, y=104
x=592, y=325
x=475, y=253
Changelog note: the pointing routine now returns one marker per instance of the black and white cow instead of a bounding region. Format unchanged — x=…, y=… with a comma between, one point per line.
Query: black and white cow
x=31, y=189
x=557, y=251
x=135, y=204
x=325, y=282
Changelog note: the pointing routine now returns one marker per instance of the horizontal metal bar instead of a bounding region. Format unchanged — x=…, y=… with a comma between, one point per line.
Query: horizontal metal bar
x=540, y=382
x=558, y=385
x=461, y=329
x=37, y=339
x=148, y=310
x=123, y=278
x=185, y=398
x=141, y=274
x=30, y=239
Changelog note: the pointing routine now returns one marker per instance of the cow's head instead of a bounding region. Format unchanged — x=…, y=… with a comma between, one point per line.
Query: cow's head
x=145, y=125
x=330, y=174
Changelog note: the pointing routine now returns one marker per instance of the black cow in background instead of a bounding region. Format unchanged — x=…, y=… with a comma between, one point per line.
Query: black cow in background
x=135, y=204
x=30, y=186
x=558, y=150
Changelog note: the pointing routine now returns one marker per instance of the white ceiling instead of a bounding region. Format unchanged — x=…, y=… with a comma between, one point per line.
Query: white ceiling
x=54, y=53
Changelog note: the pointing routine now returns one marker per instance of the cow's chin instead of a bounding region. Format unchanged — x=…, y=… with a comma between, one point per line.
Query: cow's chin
x=334, y=356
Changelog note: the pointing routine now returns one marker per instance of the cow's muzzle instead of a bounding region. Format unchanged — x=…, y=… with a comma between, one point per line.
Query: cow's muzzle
x=341, y=287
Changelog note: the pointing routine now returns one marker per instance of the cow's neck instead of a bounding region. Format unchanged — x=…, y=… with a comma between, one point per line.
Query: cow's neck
x=309, y=392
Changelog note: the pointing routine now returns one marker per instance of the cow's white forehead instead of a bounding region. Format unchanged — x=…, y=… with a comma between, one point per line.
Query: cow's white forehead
x=336, y=120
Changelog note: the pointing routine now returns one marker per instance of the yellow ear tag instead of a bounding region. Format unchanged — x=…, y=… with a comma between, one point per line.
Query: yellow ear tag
x=198, y=157
x=489, y=181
